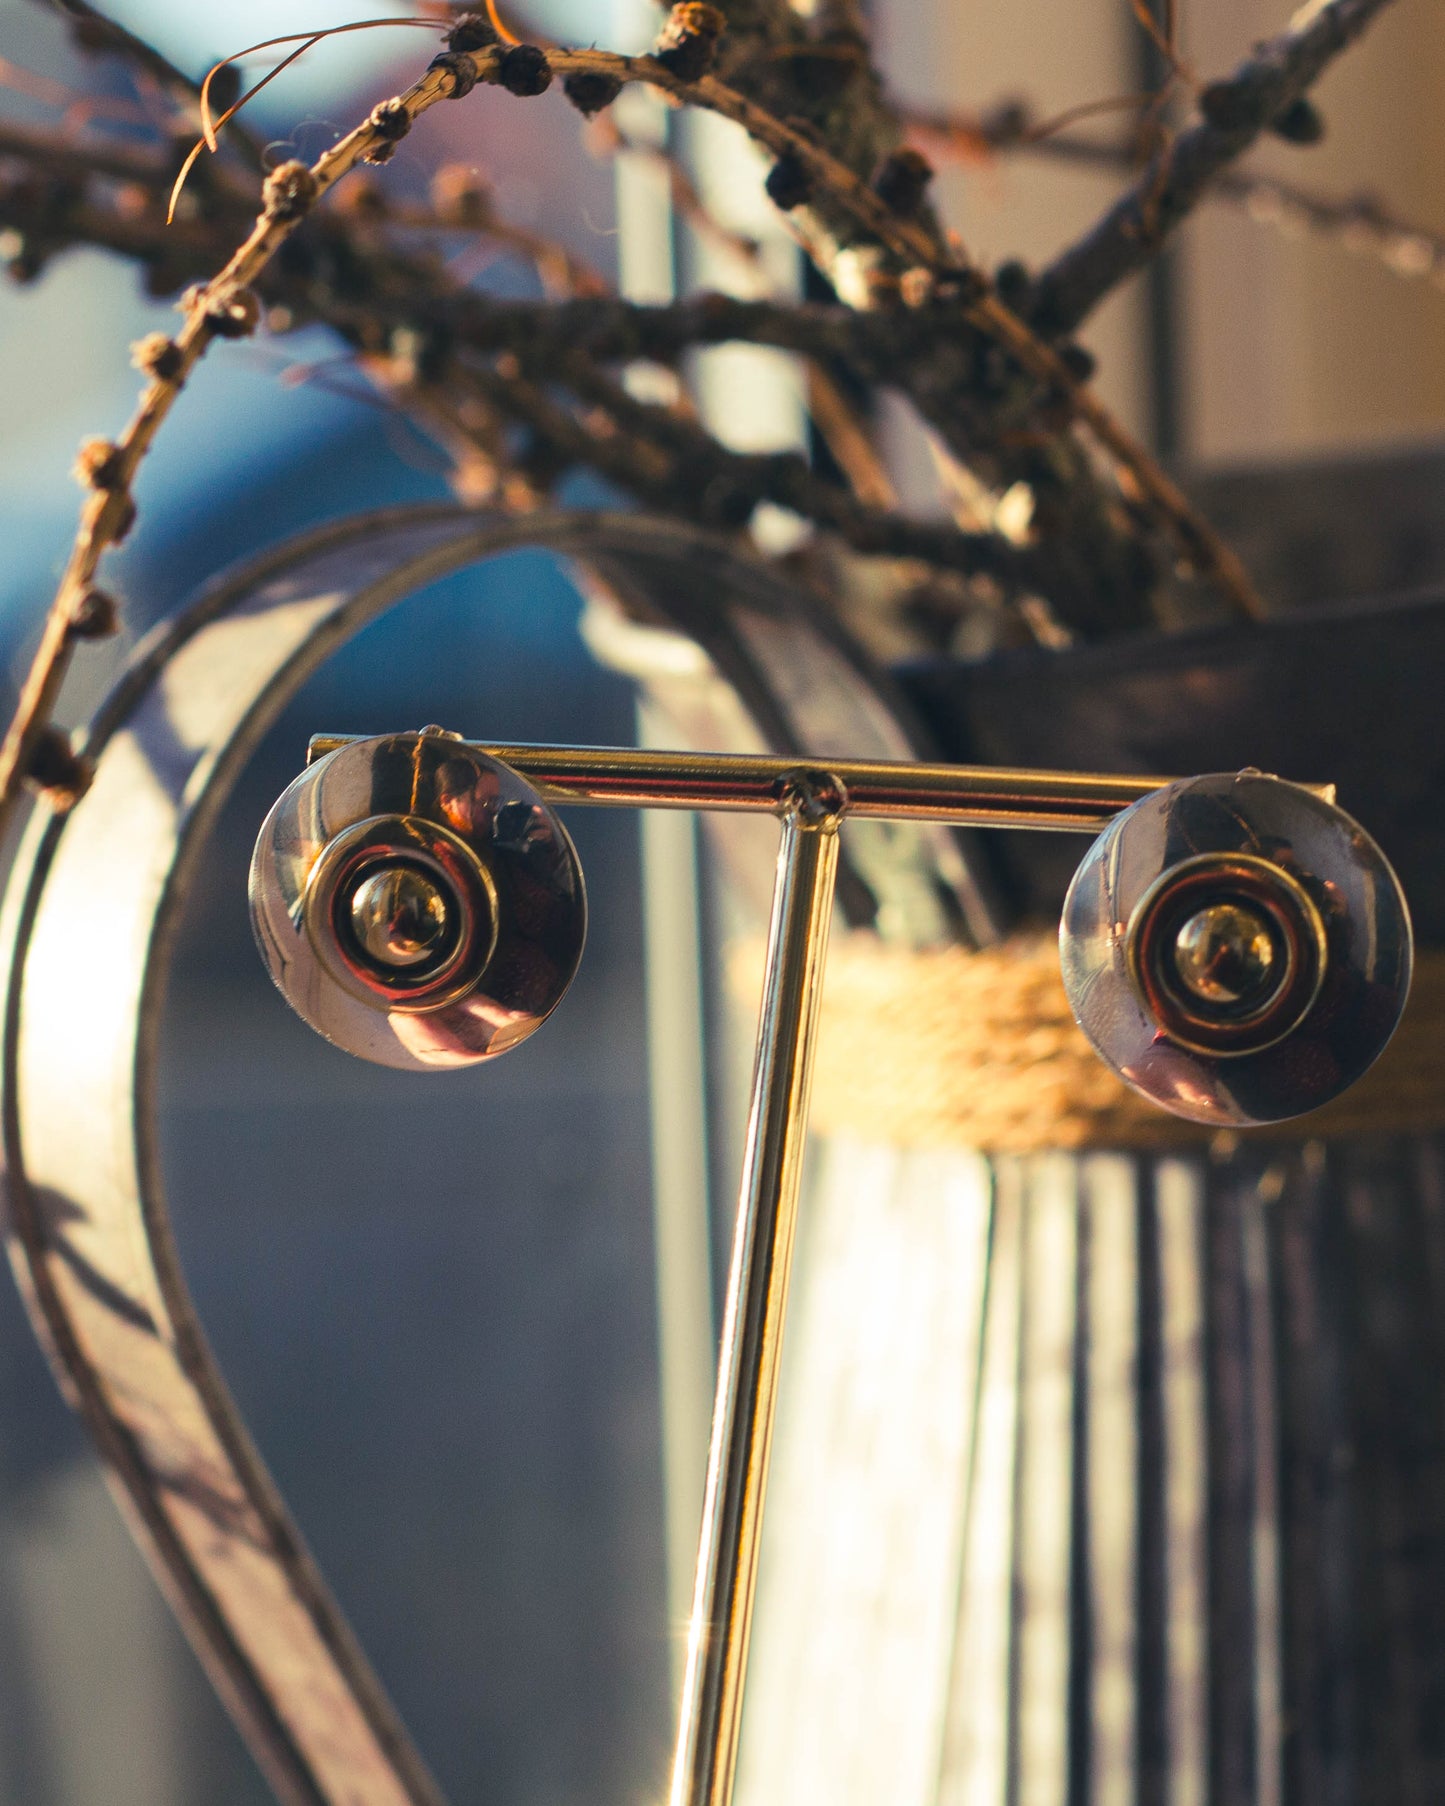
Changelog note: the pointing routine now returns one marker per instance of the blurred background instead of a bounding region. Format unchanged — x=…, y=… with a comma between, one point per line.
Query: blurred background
x=436, y=1303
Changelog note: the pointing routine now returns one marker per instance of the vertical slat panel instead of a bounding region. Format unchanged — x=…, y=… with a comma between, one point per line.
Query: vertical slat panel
x=1179, y=1205
x=1151, y=1671
x=1045, y=1474
x=1425, y=1261
x=1265, y=1526
x=1231, y=1502
x=1373, y=1408
x=1111, y=1473
x=1200, y=1544
x=974, y=1767
x=861, y=1550
x=1316, y=1456
x=1401, y=1441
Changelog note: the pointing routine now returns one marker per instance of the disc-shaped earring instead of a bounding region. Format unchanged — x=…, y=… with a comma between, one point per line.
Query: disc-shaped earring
x=1236, y=948
x=417, y=902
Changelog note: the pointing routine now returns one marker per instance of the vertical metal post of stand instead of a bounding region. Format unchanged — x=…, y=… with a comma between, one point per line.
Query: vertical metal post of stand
x=752, y=1330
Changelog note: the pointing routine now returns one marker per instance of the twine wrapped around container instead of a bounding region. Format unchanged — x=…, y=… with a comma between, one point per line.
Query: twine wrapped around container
x=950, y=1048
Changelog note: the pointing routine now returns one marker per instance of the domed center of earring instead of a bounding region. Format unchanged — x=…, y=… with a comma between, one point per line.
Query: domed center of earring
x=401, y=916
x=1226, y=956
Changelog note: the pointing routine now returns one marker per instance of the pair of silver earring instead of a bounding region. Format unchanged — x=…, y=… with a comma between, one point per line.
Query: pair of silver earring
x=1235, y=947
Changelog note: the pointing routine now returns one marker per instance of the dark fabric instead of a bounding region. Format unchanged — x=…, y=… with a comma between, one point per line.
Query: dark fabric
x=1352, y=695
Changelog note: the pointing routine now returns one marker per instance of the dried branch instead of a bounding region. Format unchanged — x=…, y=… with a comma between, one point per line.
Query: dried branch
x=1005, y=428
x=61, y=153
x=848, y=441
x=419, y=300
x=1359, y=223
x=672, y=463
x=810, y=65
x=396, y=296
x=226, y=307
x=914, y=246
x=832, y=415
x=1235, y=111
x=96, y=31
x=660, y=459
x=1003, y=415
x=223, y=308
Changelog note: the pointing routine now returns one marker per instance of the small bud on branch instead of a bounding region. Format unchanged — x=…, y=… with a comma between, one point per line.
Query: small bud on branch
x=688, y=41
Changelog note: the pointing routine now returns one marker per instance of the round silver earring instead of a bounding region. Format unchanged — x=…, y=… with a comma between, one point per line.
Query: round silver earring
x=1236, y=948
x=417, y=902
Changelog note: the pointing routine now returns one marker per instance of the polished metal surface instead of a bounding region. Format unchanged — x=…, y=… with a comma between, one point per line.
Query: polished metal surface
x=400, y=915
x=1226, y=955
x=1247, y=889
x=503, y=908
x=976, y=796
x=1240, y=868
x=753, y=1318
x=90, y=909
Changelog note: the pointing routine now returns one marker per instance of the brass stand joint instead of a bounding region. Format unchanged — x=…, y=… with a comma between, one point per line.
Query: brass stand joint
x=813, y=798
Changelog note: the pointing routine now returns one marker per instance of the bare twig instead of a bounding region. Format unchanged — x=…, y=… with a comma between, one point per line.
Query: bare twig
x=1235, y=112
x=1358, y=222
x=909, y=241
x=1162, y=37
x=672, y=462
x=831, y=413
x=913, y=245
x=225, y=306
x=844, y=435
x=219, y=309
x=64, y=153
x=96, y=30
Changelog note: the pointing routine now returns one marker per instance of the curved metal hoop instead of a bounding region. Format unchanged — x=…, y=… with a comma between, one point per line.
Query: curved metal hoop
x=89, y=1233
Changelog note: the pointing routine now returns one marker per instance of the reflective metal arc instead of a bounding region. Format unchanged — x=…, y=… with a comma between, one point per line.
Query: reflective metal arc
x=970, y=796
x=753, y=1318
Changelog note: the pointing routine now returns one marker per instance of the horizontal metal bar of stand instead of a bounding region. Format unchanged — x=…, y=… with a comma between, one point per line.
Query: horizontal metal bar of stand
x=974, y=796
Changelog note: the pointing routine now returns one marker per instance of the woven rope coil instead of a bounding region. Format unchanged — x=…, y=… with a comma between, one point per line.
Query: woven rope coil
x=952, y=1048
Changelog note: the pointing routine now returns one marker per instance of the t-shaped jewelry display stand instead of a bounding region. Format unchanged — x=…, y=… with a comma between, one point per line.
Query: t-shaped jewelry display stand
x=395, y=896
